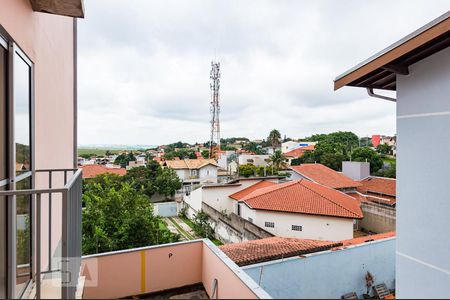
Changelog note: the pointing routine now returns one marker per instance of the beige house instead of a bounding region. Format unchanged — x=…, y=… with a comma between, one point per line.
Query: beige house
x=194, y=171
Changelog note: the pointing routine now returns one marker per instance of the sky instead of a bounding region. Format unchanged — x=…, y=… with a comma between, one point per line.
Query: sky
x=143, y=67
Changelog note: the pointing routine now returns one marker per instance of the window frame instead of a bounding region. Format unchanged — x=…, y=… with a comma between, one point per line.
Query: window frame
x=296, y=226
x=269, y=224
x=12, y=49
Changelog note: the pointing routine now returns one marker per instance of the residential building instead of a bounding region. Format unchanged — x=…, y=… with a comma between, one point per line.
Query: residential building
x=323, y=175
x=194, y=171
x=296, y=153
x=91, y=171
x=292, y=145
x=40, y=202
x=376, y=140
x=222, y=197
x=254, y=159
x=417, y=67
x=301, y=209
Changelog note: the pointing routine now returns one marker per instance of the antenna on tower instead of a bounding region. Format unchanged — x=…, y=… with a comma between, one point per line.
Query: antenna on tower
x=214, y=144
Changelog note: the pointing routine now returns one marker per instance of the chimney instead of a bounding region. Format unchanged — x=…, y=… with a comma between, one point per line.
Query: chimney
x=356, y=170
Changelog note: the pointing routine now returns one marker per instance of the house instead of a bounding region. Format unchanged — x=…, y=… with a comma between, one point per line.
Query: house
x=254, y=159
x=417, y=68
x=292, y=145
x=91, y=171
x=296, y=153
x=323, y=175
x=301, y=209
x=222, y=197
x=194, y=171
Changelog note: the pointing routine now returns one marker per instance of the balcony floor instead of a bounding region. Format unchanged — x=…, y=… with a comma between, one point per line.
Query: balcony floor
x=196, y=291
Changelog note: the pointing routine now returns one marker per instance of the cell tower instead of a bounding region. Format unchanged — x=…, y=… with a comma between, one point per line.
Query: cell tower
x=214, y=145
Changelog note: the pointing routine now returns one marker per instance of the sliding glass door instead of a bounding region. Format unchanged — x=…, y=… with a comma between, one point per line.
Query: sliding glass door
x=16, y=222
x=3, y=167
x=22, y=138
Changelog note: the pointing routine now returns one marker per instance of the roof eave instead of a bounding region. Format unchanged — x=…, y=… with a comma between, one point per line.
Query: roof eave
x=380, y=60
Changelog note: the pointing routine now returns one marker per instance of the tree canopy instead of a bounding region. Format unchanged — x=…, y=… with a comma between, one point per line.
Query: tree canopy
x=274, y=138
x=368, y=155
x=117, y=216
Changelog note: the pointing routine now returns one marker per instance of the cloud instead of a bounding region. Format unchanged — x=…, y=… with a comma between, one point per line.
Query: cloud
x=144, y=66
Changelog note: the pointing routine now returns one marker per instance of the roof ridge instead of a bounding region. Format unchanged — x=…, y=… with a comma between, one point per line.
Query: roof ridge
x=329, y=198
x=276, y=188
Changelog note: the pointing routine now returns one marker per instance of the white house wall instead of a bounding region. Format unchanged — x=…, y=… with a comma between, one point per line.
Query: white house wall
x=208, y=173
x=313, y=227
x=423, y=113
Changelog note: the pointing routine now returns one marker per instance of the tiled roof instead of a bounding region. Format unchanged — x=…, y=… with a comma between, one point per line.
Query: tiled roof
x=305, y=197
x=189, y=163
x=325, y=176
x=299, y=151
x=272, y=248
x=387, y=200
x=368, y=238
x=244, y=192
x=378, y=185
x=90, y=171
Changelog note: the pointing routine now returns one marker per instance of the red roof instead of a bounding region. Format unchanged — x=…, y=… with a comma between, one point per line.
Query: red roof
x=267, y=249
x=368, y=238
x=90, y=171
x=325, y=176
x=305, y=197
x=244, y=192
x=379, y=185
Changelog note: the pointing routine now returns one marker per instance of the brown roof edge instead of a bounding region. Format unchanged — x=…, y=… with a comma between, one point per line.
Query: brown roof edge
x=69, y=8
x=418, y=38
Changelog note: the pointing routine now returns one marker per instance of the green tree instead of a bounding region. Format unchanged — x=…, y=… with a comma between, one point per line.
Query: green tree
x=167, y=182
x=116, y=218
x=370, y=156
x=278, y=160
x=247, y=170
x=205, y=153
x=390, y=172
x=274, y=139
x=384, y=149
x=202, y=226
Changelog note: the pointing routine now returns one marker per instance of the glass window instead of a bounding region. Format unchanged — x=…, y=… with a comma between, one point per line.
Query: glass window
x=2, y=246
x=23, y=234
x=22, y=95
x=3, y=114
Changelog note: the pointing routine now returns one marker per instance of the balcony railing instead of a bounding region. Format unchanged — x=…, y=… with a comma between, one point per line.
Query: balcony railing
x=62, y=192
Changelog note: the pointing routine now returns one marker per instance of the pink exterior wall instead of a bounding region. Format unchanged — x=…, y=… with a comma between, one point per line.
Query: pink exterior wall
x=230, y=286
x=376, y=139
x=166, y=267
x=47, y=40
x=119, y=274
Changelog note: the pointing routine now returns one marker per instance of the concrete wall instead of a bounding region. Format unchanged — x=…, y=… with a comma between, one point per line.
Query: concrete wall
x=356, y=170
x=329, y=274
x=258, y=160
x=232, y=228
x=377, y=218
x=423, y=246
x=166, y=209
x=157, y=268
x=313, y=227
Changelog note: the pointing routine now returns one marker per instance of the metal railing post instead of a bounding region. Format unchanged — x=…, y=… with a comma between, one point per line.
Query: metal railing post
x=50, y=185
x=38, y=246
x=64, y=250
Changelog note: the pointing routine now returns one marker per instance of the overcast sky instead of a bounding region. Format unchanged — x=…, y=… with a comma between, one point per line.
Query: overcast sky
x=144, y=66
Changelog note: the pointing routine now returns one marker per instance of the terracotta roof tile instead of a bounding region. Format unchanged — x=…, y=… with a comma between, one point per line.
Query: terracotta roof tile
x=368, y=238
x=378, y=185
x=306, y=197
x=299, y=151
x=325, y=176
x=267, y=249
x=90, y=171
x=189, y=163
x=244, y=192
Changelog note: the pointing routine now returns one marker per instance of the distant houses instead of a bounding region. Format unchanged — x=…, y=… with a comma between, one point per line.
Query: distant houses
x=194, y=171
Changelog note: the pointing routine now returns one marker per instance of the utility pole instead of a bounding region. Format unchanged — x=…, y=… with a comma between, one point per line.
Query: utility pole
x=214, y=144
